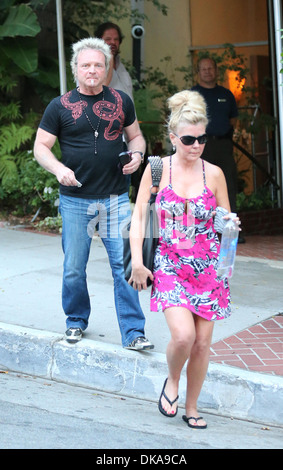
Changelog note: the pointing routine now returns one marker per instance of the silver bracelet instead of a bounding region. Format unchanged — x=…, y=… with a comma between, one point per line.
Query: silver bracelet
x=141, y=154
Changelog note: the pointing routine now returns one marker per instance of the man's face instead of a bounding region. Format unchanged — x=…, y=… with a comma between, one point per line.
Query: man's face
x=207, y=72
x=91, y=70
x=111, y=37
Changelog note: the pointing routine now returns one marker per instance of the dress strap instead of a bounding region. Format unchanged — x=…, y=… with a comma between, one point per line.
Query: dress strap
x=170, y=170
x=203, y=173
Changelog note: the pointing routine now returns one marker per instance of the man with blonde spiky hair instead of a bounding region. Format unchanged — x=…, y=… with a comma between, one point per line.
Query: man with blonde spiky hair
x=89, y=122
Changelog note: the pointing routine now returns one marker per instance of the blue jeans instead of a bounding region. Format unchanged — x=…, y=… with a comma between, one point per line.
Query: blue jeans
x=80, y=218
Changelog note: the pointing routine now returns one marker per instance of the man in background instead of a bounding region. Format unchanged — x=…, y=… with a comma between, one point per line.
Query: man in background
x=222, y=115
x=118, y=77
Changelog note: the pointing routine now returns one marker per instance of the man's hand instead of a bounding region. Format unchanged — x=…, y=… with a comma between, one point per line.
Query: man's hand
x=133, y=165
x=66, y=177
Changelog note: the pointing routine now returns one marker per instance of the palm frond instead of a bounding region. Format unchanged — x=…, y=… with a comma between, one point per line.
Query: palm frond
x=13, y=137
x=10, y=112
x=8, y=169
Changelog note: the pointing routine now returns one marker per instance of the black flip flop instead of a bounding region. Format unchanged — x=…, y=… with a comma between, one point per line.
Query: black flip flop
x=171, y=403
x=194, y=426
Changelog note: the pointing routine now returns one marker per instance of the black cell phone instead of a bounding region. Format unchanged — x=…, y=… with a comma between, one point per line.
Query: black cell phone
x=125, y=157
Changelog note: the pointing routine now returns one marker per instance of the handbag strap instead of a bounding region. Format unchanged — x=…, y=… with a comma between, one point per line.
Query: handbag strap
x=156, y=169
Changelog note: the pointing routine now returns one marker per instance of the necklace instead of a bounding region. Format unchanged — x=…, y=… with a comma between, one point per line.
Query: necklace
x=95, y=131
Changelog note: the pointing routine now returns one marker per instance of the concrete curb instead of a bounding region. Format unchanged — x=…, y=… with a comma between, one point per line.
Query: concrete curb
x=227, y=391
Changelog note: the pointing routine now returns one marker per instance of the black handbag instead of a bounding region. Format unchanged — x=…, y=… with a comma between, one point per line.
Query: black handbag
x=151, y=225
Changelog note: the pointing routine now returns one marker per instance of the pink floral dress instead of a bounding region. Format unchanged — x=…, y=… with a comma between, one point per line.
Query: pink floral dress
x=187, y=256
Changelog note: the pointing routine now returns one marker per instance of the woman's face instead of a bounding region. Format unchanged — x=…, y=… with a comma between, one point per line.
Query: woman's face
x=193, y=150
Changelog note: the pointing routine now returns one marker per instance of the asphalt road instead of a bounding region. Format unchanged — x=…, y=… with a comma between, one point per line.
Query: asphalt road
x=40, y=414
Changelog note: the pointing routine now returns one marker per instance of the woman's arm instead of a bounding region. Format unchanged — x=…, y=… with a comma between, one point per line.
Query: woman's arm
x=220, y=190
x=216, y=182
x=139, y=272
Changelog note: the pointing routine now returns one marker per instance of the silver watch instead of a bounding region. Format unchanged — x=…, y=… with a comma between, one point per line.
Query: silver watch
x=141, y=154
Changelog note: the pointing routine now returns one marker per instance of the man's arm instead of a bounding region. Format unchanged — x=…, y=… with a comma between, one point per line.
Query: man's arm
x=135, y=141
x=44, y=142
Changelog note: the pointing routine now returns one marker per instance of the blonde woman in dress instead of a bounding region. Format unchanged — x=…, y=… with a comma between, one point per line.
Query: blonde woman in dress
x=185, y=283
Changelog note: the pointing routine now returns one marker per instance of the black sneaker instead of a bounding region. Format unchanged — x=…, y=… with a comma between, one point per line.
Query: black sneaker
x=140, y=344
x=73, y=335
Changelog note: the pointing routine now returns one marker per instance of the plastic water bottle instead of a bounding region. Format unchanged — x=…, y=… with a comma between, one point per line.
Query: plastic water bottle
x=228, y=248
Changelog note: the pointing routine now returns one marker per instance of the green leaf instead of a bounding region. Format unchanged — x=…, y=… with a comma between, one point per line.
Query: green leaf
x=8, y=168
x=4, y=4
x=13, y=136
x=21, y=21
x=10, y=112
x=23, y=52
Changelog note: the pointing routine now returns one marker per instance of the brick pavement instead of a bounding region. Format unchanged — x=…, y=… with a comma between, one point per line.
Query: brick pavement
x=260, y=347
x=266, y=247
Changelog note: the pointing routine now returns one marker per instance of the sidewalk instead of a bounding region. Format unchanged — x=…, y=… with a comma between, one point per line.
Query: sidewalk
x=245, y=376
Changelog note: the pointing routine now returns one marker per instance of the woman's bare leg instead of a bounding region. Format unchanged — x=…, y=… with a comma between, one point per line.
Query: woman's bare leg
x=197, y=366
x=182, y=328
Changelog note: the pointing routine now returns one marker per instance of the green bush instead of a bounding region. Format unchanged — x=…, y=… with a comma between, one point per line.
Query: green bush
x=260, y=199
x=50, y=224
x=29, y=188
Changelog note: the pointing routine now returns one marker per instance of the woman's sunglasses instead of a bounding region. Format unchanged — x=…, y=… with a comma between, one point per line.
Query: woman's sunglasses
x=190, y=140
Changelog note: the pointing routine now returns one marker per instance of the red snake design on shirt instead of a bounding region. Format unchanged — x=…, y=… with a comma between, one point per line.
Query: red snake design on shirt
x=108, y=111
x=76, y=108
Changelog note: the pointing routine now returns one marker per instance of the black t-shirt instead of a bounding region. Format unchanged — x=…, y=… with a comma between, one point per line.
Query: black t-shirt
x=221, y=107
x=64, y=117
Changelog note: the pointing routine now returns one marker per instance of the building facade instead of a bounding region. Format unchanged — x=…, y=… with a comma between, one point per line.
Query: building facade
x=252, y=27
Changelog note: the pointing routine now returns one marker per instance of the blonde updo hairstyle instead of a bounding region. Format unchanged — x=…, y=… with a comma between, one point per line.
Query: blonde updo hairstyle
x=186, y=107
